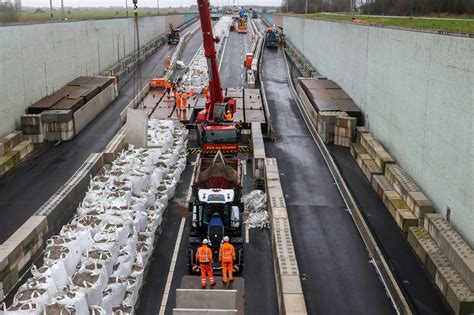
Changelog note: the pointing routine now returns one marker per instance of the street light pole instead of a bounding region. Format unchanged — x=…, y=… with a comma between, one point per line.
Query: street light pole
x=306, y=9
x=51, y=7
x=158, y=6
x=62, y=10
x=126, y=7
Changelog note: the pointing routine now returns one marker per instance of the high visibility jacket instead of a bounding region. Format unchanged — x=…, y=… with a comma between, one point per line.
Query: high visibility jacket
x=204, y=255
x=191, y=92
x=227, y=252
x=184, y=96
x=168, y=85
x=205, y=91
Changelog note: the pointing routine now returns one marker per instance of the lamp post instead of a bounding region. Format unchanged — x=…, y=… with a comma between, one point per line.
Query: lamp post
x=306, y=8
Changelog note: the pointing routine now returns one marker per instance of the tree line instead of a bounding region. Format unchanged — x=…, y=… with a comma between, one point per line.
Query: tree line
x=387, y=7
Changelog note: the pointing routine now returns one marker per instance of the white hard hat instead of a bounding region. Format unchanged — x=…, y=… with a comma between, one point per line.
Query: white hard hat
x=226, y=238
x=205, y=241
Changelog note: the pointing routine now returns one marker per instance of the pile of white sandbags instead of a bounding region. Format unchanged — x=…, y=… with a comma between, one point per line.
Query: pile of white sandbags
x=197, y=75
x=96, y=264
x=255, y=204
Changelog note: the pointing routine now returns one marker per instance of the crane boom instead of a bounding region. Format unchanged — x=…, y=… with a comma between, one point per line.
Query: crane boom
x=215, y=89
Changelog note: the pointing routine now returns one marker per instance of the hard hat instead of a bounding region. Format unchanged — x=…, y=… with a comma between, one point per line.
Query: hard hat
x=205, y=241
x=226, y=238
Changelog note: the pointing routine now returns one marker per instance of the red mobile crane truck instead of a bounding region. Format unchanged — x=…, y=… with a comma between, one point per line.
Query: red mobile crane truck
x=214, y=132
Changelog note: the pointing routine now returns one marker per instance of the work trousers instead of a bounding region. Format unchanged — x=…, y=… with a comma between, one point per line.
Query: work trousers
x=206, y=269
x=227, y=268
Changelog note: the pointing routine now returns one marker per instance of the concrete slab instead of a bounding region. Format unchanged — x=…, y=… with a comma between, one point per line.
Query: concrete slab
x=206, y=299
x=184, y=311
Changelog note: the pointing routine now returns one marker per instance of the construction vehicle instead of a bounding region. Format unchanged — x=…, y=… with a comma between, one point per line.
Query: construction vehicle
x=242, y=22
x=254, y=14
x=214, y=132
x=271, y=38
x=215, y=14
x=173, y=35
x=216, y=206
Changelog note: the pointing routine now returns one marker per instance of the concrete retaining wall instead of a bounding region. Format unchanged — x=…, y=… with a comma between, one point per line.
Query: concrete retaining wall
x=38, y=59
x=415, y=89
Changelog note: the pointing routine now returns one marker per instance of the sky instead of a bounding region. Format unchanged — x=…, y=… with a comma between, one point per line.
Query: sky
x=142, y=3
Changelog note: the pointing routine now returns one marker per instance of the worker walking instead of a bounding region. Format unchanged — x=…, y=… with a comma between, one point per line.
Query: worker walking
x=178, y=100
x=204, y=258
x=191, y=92
x=227, y=257
x=205, y=91
x=168, y=89
x=184, y=100
x=168, y=62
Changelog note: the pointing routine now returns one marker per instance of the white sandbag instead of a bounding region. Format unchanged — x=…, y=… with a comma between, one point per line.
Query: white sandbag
x=123, y=264
x=114, y=293
x=123, y=309
x=101, y=241
x=22, y=309
x=97, y=310
x=31, y=293
x=171, y=185
x=100, y=256
x=91, y=283
x=69, y=258
x=72, y=298
x=92, y=223
x=56, y=271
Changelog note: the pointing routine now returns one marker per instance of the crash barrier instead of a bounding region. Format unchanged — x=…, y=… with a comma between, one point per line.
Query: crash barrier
x=115, y=145
x=289, y=290
x=22, y=248
x=98, y=260
x=393, y=289
x=169, y=74
x=206, y=300
x=129, y=62
x=258, y=151
x=300, y=61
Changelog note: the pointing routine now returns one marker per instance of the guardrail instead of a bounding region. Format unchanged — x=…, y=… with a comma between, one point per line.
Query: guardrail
x=305, y=67
x=387, y=277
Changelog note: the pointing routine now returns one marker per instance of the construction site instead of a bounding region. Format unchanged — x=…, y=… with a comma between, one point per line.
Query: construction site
x=230, y=161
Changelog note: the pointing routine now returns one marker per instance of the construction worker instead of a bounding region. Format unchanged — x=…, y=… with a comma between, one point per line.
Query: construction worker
x=191, y=92
x=227, y=257
x=184, y=100
x=178, y=100
x=205, y=91
x=228, y=115
x=168, y=89
x=204, y=258
x=168, y=62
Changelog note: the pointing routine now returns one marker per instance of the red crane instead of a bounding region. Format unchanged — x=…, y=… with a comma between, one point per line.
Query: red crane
x=215, y=132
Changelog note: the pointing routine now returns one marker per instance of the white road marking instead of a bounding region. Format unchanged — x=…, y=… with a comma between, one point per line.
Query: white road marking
x=190, y=190
x=247, y=234
x=166, y=294
x=223, y=52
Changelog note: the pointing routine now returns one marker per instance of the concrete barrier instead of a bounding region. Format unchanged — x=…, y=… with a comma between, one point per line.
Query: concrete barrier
x=189, y=311
x=290, y=292
x=258, y=151
x=206, y=299
x=114, y=146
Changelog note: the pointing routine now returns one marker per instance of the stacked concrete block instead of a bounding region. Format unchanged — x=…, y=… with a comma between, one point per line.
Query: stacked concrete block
x=32, y=127
x=409, y=191
x=24, y=246
x=13, y=150
x=376, y=150
x=359, y=131
x=116, y=145
x=58, y=125
x=344, y=131
x=451, y=283
x=327, y=124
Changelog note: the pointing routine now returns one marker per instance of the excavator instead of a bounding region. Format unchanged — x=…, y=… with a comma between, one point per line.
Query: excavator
x=215, y=132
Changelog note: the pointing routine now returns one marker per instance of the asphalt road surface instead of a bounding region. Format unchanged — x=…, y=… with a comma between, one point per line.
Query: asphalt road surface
x=336, y=274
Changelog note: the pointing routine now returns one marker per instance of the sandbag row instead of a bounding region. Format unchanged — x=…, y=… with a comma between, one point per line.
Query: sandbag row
x=96, y=264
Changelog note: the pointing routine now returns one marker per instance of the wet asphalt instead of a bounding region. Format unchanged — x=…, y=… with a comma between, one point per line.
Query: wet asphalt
x=336, y=274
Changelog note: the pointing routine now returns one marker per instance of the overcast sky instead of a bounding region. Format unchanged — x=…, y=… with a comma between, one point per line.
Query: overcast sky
x=142, y=3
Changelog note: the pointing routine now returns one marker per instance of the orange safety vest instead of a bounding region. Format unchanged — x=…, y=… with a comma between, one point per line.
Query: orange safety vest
x=204, y=255
x=205, y=91
x=191, y=92
x=184, y=96
x=227, y=252
x=168, y=85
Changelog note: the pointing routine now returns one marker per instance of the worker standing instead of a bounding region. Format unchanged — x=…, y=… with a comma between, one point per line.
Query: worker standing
x=178, y=100
x=227, y=257
x=168, y=62
x=204, y=258
x=184, y=100
x=191, y=92
x=168, y=89
x=205, y=91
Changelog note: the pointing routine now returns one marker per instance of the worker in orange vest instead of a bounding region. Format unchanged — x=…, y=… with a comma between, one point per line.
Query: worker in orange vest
x=168, y=62
x=228, y=115
x=205, y=91
x=227, y=257
x=178, y=100
x=204, y=258
x=168, y=89
x=184, y=100
x=191, y=92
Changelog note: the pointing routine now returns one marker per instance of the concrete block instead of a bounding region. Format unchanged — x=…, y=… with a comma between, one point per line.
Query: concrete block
x=206, y=299
x=291, y=285
x=444, y=276
x=435, y=261
x=419, y=204
x=279, y=212
x=36, y=139
x=460, y=298
x=58, y=115
x=357, y=149
x=191, y=311
x=405, y=219
x=294, y=304
x=381, y=185
x=24, y=148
